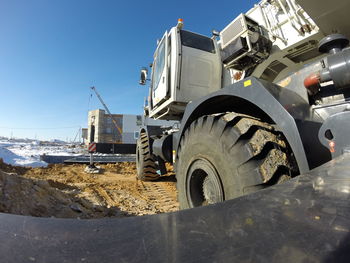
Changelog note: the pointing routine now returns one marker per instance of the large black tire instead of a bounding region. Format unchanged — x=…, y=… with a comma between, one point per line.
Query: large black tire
x=145, y=164
x=223, y=156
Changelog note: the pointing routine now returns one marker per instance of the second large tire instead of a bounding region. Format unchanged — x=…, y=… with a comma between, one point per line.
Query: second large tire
x=145, y=164
x=223, y=156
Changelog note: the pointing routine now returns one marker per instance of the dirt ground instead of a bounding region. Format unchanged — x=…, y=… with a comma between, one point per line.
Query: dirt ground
x=66, y=191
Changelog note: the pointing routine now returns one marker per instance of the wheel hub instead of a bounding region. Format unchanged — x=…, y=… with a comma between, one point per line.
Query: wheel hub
x=138, y=159
x=211, y=190
x=203, y=184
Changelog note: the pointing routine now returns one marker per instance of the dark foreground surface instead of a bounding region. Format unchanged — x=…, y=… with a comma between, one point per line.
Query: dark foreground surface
x=304, y=220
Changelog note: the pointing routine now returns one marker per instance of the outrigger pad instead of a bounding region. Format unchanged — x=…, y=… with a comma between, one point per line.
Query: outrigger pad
x=92, y=169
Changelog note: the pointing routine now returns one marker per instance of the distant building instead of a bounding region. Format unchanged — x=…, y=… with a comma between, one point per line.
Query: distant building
x=84, y=134
x=102, y=128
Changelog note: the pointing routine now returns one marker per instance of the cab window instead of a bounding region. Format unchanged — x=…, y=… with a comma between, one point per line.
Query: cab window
x=193, y=40
x=159, y=64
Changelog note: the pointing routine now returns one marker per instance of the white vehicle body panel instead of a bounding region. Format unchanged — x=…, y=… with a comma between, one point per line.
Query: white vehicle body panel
x=193, y=73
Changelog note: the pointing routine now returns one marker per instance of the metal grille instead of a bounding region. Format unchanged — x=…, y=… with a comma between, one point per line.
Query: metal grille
x=232, y=31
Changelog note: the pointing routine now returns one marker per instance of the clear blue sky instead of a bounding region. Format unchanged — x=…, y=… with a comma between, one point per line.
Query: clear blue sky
x=52, y=51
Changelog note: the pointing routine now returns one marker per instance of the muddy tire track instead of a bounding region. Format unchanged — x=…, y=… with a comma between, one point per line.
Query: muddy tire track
x=162, y=196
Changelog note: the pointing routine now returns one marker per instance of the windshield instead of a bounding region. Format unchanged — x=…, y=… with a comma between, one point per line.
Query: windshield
x=159, y=64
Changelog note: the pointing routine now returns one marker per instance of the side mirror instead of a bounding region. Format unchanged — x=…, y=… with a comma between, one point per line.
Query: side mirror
x=143, y=77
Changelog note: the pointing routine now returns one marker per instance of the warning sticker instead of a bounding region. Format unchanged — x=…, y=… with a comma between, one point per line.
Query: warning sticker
x=247, y=83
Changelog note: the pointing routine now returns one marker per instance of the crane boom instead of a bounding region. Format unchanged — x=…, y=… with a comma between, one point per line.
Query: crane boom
x=109, y=113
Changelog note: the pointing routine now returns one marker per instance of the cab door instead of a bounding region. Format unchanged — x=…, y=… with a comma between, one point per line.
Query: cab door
x=201, y=67
x=160, y=72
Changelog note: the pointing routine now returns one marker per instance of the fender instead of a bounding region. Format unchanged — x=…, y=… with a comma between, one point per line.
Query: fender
x=257, y=98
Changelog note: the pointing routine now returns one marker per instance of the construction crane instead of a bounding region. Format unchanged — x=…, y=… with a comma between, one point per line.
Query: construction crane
x=109, y=113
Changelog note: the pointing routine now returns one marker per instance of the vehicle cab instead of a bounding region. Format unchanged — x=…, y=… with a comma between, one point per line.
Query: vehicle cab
x=186, y=66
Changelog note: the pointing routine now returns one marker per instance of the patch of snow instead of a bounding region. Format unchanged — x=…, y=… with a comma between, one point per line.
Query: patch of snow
x=24, y=152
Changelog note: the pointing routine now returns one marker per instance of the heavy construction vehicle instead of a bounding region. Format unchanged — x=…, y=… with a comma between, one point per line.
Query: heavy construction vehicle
x=305, y=219
x=259, y=102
